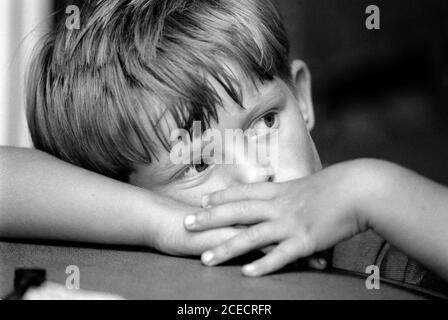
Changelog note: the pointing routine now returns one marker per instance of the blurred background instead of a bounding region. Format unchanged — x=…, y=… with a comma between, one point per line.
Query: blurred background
x=22, y=22
x=377, y=93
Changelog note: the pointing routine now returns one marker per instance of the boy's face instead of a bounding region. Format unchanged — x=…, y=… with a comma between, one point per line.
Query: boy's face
x=273, y=108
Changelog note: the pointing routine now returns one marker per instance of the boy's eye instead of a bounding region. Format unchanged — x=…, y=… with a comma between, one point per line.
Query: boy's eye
x=266, y=122
x=269, y=120
x=194, y=169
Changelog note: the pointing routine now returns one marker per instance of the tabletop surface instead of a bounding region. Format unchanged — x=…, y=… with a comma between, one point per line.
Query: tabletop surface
x=136, y=273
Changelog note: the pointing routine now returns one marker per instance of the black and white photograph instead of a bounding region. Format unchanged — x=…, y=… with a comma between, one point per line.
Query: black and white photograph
x=223, y=154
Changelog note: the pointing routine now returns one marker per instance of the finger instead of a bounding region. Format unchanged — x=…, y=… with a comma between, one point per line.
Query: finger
x=280, y=256
x=255, y=191
x=268, y=249
x=207, y=240
x=250, y=239
x=317, y=263
x=320, y=260
x=241, y=212
x=283, y=254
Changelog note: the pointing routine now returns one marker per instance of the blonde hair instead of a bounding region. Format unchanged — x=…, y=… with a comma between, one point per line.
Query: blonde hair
x=96, y=95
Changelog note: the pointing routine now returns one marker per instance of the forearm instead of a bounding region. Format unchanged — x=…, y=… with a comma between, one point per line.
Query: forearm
x=409, y=211
x=43, y=197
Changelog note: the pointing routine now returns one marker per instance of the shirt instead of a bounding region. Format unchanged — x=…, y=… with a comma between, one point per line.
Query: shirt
x=368, y=248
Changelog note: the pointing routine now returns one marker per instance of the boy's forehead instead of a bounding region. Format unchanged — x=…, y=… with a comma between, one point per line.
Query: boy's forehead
x=252, y=90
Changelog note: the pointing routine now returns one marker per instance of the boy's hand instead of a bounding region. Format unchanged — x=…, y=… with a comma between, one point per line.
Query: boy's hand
x=170, y=236
x=301, y=216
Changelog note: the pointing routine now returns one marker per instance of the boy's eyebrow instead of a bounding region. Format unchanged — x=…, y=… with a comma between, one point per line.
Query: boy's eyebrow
x=272, y=97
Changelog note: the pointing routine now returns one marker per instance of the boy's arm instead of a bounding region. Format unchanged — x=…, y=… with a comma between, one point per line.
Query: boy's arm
x=408, y=210
x=44, y=197
x=317, y=212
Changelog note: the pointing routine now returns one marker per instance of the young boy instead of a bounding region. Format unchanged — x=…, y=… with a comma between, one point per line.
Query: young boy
x=108, y=97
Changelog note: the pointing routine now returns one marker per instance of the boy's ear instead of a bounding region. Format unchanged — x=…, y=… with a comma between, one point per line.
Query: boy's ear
x=301, y=80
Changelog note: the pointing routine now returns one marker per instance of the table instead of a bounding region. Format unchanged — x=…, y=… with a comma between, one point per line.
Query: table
x=138, y=273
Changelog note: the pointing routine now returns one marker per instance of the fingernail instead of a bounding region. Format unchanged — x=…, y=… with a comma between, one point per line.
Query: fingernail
x=249, y=269
x=190, y=221
x=207, y=257
x=204, y=201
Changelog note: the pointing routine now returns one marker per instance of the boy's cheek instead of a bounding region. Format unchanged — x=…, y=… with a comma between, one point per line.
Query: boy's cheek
x=297, y=156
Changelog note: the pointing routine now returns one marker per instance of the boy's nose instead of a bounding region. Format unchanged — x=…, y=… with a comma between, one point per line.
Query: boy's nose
x=249, y=164
x=253, y=173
